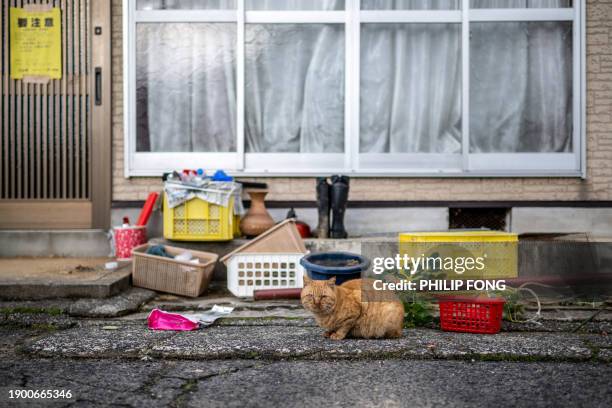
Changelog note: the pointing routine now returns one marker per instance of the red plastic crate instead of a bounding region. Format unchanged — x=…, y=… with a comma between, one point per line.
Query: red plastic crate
x=471, y=315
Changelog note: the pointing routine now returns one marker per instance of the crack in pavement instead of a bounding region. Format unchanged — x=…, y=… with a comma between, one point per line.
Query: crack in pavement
x=152, y=380
x=148, y=352
x=87, y=384
x=24, y=380
x=190, y=385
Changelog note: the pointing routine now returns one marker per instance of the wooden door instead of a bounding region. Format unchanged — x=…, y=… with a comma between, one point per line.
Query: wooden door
x=55, y=144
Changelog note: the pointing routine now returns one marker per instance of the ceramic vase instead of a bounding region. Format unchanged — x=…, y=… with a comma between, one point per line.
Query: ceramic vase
x=257, y=220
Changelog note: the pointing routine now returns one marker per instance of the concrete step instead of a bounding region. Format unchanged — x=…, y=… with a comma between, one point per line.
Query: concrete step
x=55, y=312
x=51, y=278
x=67, y=243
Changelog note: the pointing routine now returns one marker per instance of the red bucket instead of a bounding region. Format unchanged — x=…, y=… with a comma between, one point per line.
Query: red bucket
x=128, y=238
x=471, y=315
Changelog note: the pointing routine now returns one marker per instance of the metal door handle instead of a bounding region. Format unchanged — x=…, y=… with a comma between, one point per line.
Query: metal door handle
x=98, y=86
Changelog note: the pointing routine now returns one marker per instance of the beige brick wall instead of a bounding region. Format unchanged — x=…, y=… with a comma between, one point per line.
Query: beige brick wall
x=597, y=186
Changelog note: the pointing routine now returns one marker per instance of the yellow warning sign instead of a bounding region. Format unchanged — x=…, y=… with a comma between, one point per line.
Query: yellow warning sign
x=36, y=43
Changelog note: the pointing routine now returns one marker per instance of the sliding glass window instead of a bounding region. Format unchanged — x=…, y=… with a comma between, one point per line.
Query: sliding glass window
x=365, y=87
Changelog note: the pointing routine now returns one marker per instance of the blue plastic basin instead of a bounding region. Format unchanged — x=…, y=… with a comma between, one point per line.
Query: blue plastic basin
x=343, y=265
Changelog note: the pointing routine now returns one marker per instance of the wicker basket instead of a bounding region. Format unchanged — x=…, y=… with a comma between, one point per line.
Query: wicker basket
x=172, y=276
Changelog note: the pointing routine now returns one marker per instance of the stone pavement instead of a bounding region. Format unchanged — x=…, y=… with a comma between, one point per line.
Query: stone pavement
x=362, y=383
x=289, y=338
x=256, y=358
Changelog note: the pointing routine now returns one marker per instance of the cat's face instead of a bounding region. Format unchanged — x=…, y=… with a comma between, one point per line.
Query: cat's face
x=319, y=296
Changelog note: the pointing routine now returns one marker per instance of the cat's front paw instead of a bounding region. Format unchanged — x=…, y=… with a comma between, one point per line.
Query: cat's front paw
x=327, y=334
x=336, y=336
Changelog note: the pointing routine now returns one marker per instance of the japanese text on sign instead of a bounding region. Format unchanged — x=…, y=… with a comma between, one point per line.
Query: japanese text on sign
x=35, y=47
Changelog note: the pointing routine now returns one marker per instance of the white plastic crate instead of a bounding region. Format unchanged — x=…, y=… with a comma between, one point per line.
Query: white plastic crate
x=249, y=272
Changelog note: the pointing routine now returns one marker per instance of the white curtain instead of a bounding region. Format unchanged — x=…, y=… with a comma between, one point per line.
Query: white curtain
x=520, y=88
x=410, y=88
x=186, y=87
x=410, y=4
x=294, y=91
x=294, y=4
x=520, y=3
x=184, y=4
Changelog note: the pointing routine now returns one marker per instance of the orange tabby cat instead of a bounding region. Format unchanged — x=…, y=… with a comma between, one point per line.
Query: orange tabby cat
x=339, y=310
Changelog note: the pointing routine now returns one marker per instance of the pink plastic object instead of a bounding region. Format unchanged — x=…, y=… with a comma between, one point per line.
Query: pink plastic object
x=128, y=238
x=160, y=320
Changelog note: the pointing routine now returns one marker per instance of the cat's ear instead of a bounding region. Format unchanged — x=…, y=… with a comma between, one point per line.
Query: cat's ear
x=307, y=280
x=332, y=281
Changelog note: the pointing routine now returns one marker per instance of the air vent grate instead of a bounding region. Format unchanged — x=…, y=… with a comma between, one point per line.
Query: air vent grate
x=490, y=218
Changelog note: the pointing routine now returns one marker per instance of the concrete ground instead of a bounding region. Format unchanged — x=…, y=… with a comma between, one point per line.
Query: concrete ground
x=256, y=383
x=273, y=354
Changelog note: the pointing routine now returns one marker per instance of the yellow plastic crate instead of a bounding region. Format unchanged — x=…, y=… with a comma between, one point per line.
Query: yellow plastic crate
x=199, y=220
x=459, y=236
x=497, y=250
x=237, y=232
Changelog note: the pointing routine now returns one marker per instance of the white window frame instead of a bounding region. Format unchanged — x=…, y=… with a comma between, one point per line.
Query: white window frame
x=464, y=164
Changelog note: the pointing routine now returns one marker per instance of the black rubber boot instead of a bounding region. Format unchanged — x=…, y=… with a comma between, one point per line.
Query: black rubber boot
x=339, y=198
x=323, y=190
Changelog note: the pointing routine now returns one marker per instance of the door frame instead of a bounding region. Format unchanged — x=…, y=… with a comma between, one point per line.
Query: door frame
x=74, y=213
x=101, y=108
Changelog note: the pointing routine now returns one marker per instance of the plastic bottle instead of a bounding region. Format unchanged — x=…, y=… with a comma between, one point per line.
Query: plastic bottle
x=186, y=176
x=174, y=177
x=199, y=177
